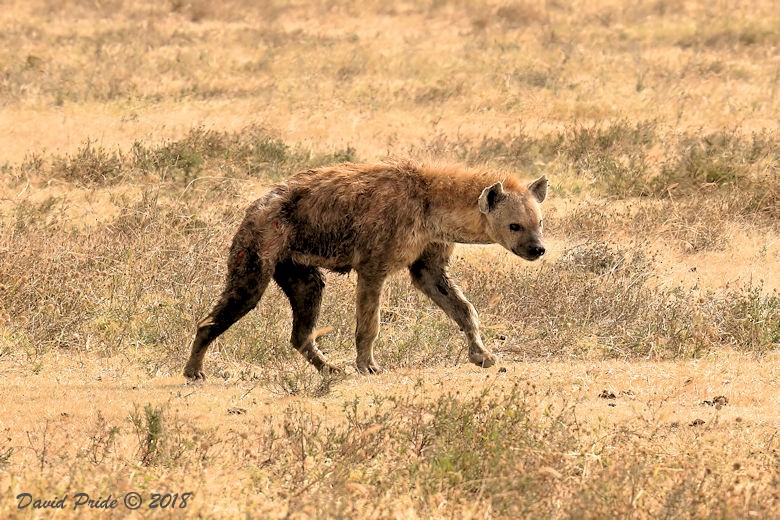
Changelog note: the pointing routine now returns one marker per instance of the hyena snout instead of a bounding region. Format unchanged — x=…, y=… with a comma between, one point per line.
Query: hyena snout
x=530, y=252
x=536, y=251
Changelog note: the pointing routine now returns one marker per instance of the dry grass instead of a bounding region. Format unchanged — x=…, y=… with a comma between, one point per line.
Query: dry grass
x=344, y=72
x=135, y=133
x=573, y=439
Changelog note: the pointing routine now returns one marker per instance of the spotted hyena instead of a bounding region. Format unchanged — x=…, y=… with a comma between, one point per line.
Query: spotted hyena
x=375, y=219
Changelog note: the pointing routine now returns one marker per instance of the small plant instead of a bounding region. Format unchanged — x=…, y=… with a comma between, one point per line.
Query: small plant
x=102, y=441
x=5, y=456
x=750, y=318
x=91, y=164
x=39, y=441
x=721, y=158
x=617, y=137
x=597, y=258
x=291, y=375
x=148, y=426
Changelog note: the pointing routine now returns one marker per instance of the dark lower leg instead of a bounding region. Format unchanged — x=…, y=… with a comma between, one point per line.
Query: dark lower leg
x=303, y=286
x=240, y=296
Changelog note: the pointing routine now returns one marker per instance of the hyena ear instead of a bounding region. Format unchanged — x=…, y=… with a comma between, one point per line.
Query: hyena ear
x=538, y=188
x=491, y=196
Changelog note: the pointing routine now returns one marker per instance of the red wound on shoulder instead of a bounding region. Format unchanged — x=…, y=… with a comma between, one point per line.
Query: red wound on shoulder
x=276, y=224
x=240, y=255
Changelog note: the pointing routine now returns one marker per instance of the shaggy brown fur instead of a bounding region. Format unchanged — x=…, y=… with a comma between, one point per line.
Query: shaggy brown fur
x=375, y=219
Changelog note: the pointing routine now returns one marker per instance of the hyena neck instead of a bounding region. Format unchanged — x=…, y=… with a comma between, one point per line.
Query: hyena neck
x=447, y=231
x=453, y=211
x=461, y=223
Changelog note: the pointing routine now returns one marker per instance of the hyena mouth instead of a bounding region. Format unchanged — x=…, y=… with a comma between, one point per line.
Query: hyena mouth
x=530, y=253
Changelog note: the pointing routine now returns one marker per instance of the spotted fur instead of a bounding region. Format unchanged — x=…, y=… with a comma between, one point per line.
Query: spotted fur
x=374, y=219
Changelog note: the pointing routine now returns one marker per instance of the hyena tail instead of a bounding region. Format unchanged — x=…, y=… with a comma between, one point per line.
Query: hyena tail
x=250, y=269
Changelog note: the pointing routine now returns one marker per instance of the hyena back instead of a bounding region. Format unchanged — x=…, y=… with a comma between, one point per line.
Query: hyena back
x=375, y=219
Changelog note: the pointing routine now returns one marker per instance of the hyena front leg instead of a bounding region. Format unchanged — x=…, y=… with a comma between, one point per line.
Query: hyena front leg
x=369, y=292
x=304, y=286
x=429, y=274
x=247, y=279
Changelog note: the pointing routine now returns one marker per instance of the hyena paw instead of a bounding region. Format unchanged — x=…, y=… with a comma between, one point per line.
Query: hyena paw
x=194, y=374
x=328, y=369
x=482, y=358
x=369, y=368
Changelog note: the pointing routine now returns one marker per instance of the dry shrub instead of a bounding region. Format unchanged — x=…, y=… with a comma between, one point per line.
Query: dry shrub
x=147, y=277
x=511, y=450
x=519, y=14
x=750, y=318
x=91, y=164
x=621, y=159
x=597, y=300
x=735, y=173
x=251, y=152
x=500, y=453
x=163, y=439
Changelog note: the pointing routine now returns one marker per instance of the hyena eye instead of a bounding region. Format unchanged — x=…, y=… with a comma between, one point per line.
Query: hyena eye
x=515, y=227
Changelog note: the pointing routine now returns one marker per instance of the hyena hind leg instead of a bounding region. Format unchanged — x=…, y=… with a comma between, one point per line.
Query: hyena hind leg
x=303, y=286
x=245, y=285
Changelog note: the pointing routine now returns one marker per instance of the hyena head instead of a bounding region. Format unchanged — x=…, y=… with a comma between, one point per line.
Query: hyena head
x=514, y=218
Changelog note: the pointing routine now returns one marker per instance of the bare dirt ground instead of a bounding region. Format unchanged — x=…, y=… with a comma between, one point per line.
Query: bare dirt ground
x=659, y=406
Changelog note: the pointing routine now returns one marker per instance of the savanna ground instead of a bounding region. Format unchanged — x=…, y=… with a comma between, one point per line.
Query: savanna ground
x=639, y=360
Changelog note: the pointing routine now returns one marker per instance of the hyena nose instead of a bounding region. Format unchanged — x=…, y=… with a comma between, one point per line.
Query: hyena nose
x=536, y=251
